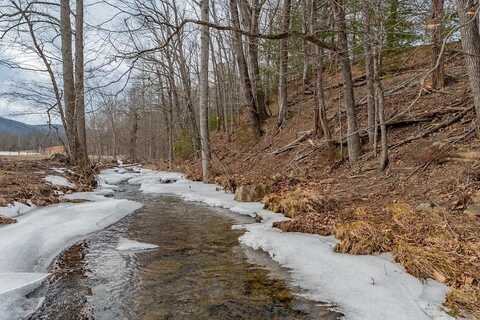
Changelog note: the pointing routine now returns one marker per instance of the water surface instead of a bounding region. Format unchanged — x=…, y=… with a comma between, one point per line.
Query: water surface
x=200, y=271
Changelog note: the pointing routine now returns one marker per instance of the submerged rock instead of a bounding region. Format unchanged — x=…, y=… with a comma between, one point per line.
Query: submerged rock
x=251, y=193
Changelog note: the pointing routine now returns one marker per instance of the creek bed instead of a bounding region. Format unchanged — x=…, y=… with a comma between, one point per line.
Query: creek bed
x=199, y=271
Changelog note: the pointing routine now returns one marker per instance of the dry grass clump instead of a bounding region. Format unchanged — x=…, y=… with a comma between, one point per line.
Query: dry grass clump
x=297, y=202
x=315, y=223
x=442, y=246
x=362, y=237
x=424, y=262
x=465, y=299
x=429, y=244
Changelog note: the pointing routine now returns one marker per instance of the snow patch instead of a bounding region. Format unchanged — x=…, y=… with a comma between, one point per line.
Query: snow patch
x=112, y=177
x=16, y=209
x=59, y=181
x=29, y=246
x=18, y=153
x=131, y=245
x=58, y=169
x=89, y=196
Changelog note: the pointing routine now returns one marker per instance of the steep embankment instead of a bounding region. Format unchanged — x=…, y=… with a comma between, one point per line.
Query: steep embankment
x=422, y=208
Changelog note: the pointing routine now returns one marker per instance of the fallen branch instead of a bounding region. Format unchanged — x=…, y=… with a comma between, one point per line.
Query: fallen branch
x=441, y=125
x=293, y=144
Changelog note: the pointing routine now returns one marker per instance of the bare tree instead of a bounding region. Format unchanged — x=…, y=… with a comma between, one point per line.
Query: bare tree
x=283, y=72
x=353, y=137
x=204, y=53
x=81, y=138
x=436, y=25
x=68, y=78
x=244, y=75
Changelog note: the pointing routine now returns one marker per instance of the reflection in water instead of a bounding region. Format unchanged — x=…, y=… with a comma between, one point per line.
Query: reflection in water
x=199, y=271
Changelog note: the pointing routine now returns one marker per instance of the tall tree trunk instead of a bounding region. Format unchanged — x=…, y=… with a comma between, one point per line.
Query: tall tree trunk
x=438, y=74
x=471, y=47
x=68, y=79
x=306, y=15
x=320, y=111
x=380, y=107
x=204, y=55
x=253, y=61
x=367, y=40
x=353, y=138
x=133, y=132
x=80, y=88
x=243, y=70
x=283, y=72
x=317, y=19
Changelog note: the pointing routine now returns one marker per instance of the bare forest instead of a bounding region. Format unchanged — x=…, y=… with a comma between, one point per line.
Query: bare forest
x=357, y=119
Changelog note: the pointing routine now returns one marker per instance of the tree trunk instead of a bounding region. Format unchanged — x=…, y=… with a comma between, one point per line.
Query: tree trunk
x=353, y=138
x=380, y=107
x=204, y=56
x=133, y=132
x=320, y=113
x=367, y=40
x=306, y=7
x=283, y=72
x=253, y=62
x=436, y=24
x=82, y=152
x=471, y=47
x=68, y=79
x=243, y=70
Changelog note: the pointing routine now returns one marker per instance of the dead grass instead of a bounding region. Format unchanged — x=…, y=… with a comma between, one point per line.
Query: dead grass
x=299, y=201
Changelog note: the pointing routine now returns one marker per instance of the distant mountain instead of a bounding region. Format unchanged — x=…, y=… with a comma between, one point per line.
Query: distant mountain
x=45, y=128
x=17, y=128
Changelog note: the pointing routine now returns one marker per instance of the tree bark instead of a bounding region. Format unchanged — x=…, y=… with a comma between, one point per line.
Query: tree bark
x=320, y=113
x=353, y=137
x=253, y=61
x=471, y=47
x=438, y=74
x=243, y=70
x=82, y=152
x=283, y=72
x=367, y=40
x=204, y=57
x=380, y=107
x=68, y=79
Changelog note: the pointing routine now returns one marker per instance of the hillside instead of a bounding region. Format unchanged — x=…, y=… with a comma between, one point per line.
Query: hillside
x=12, y=127
x=423, y=208
x=17, y=128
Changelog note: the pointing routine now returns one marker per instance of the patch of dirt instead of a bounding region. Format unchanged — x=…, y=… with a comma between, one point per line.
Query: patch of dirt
x=22, y=180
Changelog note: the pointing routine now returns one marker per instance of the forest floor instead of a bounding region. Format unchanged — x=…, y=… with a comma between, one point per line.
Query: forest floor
x=23, y=184
x=424, y=208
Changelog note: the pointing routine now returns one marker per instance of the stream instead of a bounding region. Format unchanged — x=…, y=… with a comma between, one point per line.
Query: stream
x=198, y=271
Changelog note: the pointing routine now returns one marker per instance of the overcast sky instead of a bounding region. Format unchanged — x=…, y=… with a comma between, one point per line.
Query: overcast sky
x=17, y=79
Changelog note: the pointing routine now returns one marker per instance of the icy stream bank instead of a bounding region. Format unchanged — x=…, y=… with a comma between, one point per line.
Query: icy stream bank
x=29, y=246
x=363, y=287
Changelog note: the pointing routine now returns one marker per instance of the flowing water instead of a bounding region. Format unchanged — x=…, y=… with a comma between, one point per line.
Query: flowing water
x=200, y=271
